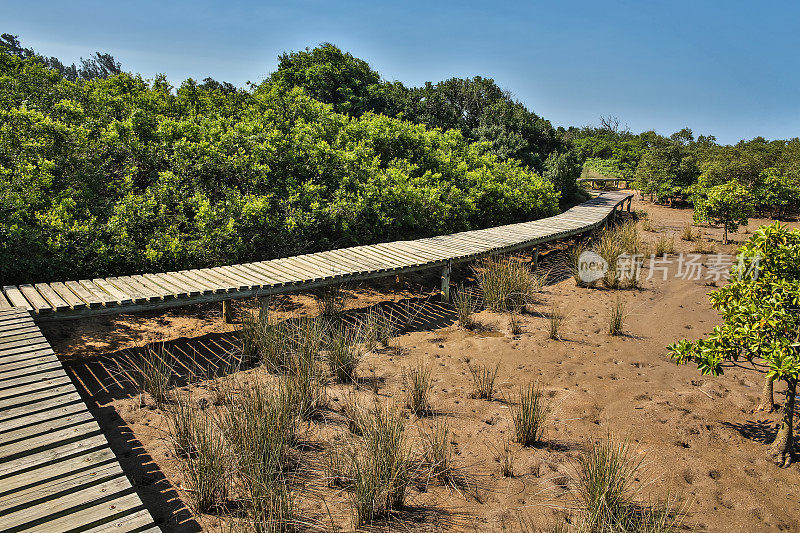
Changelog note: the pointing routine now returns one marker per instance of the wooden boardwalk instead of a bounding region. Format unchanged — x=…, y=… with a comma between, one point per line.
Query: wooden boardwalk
x=57, y=472
x=124, y=294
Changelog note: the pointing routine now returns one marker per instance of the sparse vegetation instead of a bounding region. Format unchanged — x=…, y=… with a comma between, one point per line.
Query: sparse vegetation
x=507, y=284
x=483, y=380
x=689, y=234
x=377, y=468
x=604, y=488
x=664, y=245
x=555, y=319
x=207, y=469
x=418, y=384
x=617, y=319
x=465, y=304
x=345, y=344
x=439, y=452
x=529, y=413
x=155, y=373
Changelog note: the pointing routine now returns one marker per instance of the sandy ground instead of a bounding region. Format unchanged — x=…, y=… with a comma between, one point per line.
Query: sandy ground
x=700, y=437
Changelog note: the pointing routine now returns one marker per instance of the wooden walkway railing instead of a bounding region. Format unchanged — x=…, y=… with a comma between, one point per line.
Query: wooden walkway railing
x=57, y=472
x=124, y=294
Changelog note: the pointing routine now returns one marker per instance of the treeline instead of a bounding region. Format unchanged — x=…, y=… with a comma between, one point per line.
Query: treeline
x=686, y=169
x=116, y=174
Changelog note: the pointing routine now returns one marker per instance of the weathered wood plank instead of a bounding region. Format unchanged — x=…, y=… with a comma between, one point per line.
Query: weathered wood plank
x=73, y=300
x=119, y=297
x=91, y=294
x=36, y=300
x=55, y=301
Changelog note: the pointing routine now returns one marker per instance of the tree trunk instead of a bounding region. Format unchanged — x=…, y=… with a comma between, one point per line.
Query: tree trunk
x=767, y=404
x=784, y=442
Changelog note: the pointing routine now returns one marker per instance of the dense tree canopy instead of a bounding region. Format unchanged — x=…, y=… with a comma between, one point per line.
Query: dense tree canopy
x=117, y=174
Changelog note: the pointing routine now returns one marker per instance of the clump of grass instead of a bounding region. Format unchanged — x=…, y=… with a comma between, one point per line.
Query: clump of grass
x=332, y=301
x=155, y=373
x=704, y=247
x=465, y=305
x=355, y=413
x=614, y=243
x=556, y=318
x=605, y=474
x=508, y=285
x=617, y=320
x=604, y=489
x=647, y=225
x=505, y=456
x=609, y=247
x=344, y=351
x=688, y=233
x=181, y=423
x=439, y=452
x=418, y=382
x=409, y=313
x=306, y=381
x=260, y=423
x=206, y=471
x=529, y=414
x=265, y=340
x=483, y=379
x=574, y=263
x=664, y=245
x=514, y=323
x=375, y=328
x=378, y=469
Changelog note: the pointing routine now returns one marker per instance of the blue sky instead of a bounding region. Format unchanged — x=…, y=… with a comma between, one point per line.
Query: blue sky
x=725, y=68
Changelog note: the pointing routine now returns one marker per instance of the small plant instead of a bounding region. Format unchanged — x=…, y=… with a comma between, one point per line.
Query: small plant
x=574, y=263
x=156, y=373
x=508, y=284
x=647, y=225
x=514, y=323
x=181, y=422
x=702, y=246
x=377, y=469
x=355, y=414
x=556, y=319
x=505, y=456
x=206, y=471
x=306, y=381
x=604, y=489
x=688, y=233
x=483, y=379
x=332, y=301
x=418, y=382
x=344, y=352
x=665, y=245
x=610, y=249
x=465, y=305
x=439, y=453
x=529, y=414
x=617, y=320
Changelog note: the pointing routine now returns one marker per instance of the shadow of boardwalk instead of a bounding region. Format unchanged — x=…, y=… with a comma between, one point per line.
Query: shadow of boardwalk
x=115, y=376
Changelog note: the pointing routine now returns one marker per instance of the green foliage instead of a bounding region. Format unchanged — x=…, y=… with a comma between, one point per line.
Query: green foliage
x=121, y=175
x=775, y=193
x=730, y=204
x=758, y=307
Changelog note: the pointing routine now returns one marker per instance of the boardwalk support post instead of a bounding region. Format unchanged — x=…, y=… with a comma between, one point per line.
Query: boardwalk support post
x=227, y=312
x=446, y=281
x=629, y=203
x=535, y=257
